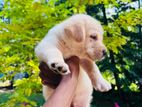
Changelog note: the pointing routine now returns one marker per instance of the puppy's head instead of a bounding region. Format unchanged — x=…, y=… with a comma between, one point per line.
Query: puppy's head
x=89, y=32
x=95, y=49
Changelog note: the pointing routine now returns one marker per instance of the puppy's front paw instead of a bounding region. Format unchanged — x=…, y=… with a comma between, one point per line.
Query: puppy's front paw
x=101, y=85
x=59, y=67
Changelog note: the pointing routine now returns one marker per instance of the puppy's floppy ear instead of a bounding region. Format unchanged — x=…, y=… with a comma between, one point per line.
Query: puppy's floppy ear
x=75, y=31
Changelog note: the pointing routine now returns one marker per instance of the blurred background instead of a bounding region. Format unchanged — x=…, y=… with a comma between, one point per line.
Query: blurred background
x=23, y=23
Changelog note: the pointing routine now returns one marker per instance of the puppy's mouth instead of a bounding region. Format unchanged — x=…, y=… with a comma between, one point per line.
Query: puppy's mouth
x=91, y=56
x=95, y=57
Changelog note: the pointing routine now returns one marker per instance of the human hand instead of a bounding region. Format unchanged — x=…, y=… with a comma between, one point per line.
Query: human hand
x=64, y=93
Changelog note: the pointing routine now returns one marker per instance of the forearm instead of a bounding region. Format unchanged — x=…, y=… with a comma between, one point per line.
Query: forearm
x=67, y=88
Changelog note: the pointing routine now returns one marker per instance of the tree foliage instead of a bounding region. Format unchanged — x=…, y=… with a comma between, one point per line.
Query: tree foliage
x=23, y=23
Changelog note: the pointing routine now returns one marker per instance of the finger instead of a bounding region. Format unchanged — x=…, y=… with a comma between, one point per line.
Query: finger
x=73, y=63
x=73, y=59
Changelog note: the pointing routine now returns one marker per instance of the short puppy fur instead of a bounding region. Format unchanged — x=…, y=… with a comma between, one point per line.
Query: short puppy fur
x=81, y=36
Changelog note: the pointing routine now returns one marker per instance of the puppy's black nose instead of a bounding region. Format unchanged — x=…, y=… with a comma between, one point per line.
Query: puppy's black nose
x=104, y=52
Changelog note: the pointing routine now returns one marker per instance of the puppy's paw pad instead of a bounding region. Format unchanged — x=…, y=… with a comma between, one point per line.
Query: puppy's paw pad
x=53, y=65
x=63, y=68
x=59, y=67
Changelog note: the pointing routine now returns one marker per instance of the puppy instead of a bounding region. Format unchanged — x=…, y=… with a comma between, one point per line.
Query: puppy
x=81, y=36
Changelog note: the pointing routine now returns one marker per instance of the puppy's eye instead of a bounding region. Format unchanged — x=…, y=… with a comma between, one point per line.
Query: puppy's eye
x=94, y=36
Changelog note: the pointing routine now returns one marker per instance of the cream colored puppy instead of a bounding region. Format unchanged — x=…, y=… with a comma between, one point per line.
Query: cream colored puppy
x=82, y=36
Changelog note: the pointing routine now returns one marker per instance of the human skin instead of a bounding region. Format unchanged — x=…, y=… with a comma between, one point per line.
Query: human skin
x=64, y=93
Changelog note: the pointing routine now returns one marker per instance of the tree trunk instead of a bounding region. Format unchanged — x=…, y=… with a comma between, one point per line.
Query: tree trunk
x=113, y=63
